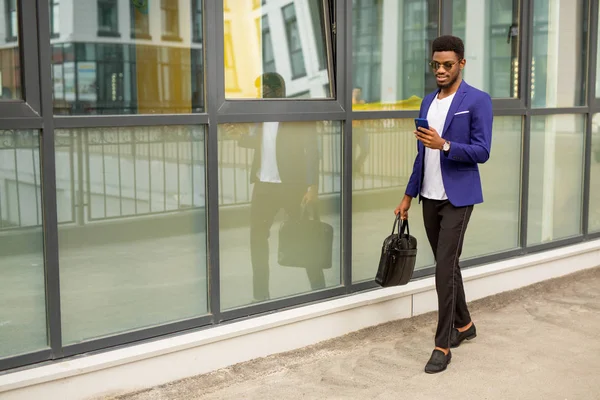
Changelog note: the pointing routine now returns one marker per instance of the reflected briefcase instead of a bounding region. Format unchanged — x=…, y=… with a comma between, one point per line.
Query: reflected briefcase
x=398, y=256
x=306, y=242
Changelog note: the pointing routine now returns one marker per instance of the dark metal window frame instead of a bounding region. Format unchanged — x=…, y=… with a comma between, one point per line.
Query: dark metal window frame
x=36, y=112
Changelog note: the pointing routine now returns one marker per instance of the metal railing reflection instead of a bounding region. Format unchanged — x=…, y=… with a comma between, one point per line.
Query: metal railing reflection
x=20, y=197
x=115, y=173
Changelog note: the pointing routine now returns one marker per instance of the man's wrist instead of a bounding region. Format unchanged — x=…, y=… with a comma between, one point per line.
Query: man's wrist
x=446, y=147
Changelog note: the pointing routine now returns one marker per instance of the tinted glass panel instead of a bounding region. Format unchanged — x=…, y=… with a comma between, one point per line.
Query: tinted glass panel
x=560, y=30
x=267, y=171
x=384, y=153
x=555, y=177
x=10, y=61
x=22, y=293
x=286, y=38
x=144, y=58
x=495, y=224
x=490, y=31
x=594, y=218
x=383, y=156
x=390, y=52
x=132, y=234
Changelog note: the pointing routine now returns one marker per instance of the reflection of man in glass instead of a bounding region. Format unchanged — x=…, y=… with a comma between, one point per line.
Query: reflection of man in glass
x=285, y=176
x=360, y=136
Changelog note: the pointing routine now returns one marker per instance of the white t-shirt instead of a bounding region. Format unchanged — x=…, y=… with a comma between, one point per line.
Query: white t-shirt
x=433, y=185
x=268, y=165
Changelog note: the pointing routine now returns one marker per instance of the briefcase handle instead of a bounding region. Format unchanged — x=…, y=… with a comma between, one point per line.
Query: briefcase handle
x=402, y=226
x=315, y=211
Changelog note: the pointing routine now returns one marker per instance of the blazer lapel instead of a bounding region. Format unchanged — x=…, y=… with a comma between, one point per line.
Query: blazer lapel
x=427, y=103
x=456, y=101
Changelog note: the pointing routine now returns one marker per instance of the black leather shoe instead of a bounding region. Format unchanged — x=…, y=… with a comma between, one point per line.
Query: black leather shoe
x=438, y=362
x=457, y=337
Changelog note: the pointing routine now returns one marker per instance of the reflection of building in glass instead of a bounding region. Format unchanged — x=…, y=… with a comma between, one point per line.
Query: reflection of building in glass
x=10, y=80
x=491, y=44
x=559, y=60
x=390, y=58
x=141, y=57
x=289, y=39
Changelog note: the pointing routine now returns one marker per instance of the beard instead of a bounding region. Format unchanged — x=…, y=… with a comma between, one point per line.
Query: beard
x=451, y=82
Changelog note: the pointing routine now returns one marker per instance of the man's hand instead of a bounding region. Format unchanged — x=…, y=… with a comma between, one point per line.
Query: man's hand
x=403, y=207
x=430, y=138
x=235, y=131
x=311, y=196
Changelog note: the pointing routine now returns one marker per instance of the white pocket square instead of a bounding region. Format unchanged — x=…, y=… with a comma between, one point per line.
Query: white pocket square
x=462, y=112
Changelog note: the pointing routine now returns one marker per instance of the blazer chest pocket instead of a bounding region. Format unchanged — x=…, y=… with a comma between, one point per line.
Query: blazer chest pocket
x=460, y=128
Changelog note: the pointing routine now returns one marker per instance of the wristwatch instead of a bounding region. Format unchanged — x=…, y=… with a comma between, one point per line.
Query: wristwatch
x=446, y=147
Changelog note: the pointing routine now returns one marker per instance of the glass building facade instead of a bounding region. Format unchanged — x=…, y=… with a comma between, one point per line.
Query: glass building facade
x=129, y=207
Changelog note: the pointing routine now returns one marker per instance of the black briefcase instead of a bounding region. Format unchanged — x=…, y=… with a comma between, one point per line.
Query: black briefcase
x=398, y=256
x=306, y=242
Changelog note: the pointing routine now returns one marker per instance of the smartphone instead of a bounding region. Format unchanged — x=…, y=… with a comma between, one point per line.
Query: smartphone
x=421, y=123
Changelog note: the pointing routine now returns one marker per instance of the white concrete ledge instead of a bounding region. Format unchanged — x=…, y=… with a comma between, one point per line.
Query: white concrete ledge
x=149, y=364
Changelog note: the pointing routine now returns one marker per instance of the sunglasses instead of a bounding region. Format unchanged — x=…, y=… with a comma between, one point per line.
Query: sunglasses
x=448, y=65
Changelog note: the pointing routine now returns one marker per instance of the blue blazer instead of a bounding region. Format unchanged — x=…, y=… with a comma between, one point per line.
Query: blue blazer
x=468, y=128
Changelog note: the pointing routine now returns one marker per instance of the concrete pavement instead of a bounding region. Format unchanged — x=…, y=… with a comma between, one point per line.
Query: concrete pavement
x=540, y=342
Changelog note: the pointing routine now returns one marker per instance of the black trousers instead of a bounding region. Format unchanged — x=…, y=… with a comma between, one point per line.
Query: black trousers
x=446, y=226
x=267, y=200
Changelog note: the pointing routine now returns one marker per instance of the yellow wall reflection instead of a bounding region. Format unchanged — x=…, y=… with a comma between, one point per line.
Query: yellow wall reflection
x=278, y=36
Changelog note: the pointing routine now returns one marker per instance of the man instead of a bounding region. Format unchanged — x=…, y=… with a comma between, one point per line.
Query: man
x=446, y=176
x=285, y=175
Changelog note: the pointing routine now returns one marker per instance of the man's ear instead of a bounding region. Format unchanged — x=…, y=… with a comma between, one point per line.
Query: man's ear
x=463, y=62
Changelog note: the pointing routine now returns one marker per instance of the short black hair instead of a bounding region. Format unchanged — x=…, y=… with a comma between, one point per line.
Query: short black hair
x=272, y=80
x=449, y=43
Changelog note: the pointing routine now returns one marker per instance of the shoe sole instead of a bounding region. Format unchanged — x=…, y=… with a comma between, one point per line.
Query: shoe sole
x=467, y=338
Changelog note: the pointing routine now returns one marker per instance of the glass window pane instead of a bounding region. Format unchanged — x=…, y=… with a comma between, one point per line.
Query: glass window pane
x=495, y=224
x=598, y=64
x=132, y=233
x=555, y=177
x=10, y=57
x=153, y=62
x=559, y=53
x=390, y=51
x=22, y=292
x=290, y=41
x=594, y=217
x=383, y=156
x=491, y=44
x=266, y=172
